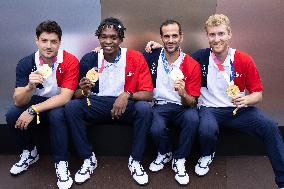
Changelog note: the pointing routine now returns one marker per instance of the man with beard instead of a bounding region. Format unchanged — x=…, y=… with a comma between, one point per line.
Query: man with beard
x=176, y=79
x=120, y=93
x=45, y=82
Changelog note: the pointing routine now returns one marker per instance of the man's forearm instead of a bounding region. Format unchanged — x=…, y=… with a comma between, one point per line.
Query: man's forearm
x=187, y=100
x=254, y=98
x=143, y=95
x=55, y=101
x=22, y=95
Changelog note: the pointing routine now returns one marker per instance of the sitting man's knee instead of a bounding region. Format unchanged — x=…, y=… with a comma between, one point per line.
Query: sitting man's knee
x=156, y=131
x=12, y=115
x=208, y=133
x=143, y=107
x=72, y=106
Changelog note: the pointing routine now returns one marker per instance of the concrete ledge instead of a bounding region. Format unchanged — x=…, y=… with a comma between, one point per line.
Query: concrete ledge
x=116, y=139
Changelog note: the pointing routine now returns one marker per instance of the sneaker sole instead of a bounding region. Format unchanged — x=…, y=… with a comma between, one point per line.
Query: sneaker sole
x=201, y=175
x=136, y=181
x=80, y=183
x=182, y=185
x=69, y=185
x=141, y=184
x=32, y=162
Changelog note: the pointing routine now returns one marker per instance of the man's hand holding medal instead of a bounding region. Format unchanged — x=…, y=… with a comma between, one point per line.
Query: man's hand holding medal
x=35, y=78
x=233, y=91
x=88, y=82
x=179, y=85
x=38, y=77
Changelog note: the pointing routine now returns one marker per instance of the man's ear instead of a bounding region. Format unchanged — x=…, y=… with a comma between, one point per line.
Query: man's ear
x=230, y=34
x=36, y=40
x=181, y=37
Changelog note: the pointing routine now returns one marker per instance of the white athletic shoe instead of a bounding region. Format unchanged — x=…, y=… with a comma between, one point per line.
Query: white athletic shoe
x=202, y=166
x=178, y=165
x=64, y=180
x=27, y=158
x=159, y=163
x=137, y=172
x=88, y=167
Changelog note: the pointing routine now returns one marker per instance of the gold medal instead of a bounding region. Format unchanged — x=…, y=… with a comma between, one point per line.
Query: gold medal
x=92, y=75
x=232, y=91
x=45, y=70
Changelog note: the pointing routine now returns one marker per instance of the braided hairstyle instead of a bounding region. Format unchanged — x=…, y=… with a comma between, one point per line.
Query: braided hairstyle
x=115, y=23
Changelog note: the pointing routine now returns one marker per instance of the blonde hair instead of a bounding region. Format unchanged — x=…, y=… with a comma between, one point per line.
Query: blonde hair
x=217, y=20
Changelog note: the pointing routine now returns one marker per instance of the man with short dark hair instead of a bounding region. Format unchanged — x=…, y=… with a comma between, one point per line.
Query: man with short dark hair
x=176, y=78
x=45, y=82
x=115, y=84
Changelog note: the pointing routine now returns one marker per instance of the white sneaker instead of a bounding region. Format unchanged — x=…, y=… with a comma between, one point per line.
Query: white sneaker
x=88, y=167
x=202, y=166
x=137, y=171
x=64, y=180
x=160, y=161
x=178, y=165
x=27, y=158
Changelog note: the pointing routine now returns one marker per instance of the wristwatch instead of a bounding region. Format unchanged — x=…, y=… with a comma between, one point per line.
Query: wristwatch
x=31, y=111
x=130, y=95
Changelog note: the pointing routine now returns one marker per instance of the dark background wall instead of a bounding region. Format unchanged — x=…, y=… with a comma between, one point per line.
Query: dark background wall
x=257, y=29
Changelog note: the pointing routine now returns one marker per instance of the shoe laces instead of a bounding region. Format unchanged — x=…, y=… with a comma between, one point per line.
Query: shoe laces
x=204, y=161
x=180, y=165
x=137, y=167
x=86, y=165
x=62, y=169
x=24, y=157
x=160, y=158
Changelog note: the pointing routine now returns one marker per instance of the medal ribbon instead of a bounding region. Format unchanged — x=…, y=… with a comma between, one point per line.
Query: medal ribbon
x=218, y=64
x=165, y=64
x=117, y=58
x=54, y=59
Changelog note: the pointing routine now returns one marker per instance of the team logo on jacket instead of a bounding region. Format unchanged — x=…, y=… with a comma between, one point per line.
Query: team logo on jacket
x=130, y=74
x=238, y=75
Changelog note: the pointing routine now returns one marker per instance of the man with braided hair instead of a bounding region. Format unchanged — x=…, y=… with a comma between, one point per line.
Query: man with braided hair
x=124, y=85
